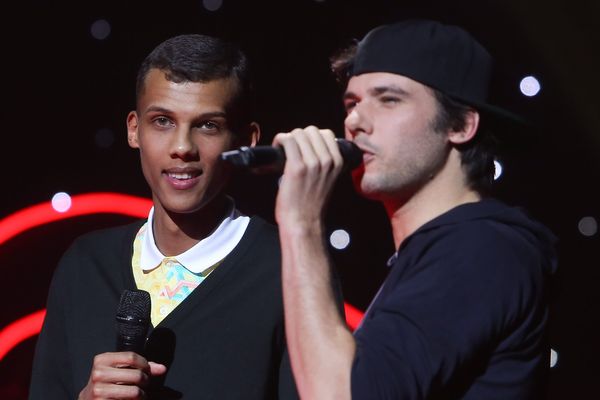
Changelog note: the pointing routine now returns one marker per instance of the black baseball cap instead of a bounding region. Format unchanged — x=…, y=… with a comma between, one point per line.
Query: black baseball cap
x=444, y=57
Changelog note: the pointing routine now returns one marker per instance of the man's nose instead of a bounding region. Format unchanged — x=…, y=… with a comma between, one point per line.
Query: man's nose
x=182, y=145
x=356, y=122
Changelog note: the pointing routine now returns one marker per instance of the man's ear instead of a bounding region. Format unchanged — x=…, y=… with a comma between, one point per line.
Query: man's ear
x=249, y=136
x=468, y=131
x=132, y=130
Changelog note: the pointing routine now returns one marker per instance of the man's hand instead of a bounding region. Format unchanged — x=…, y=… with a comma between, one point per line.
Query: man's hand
x=122, y=375
x=313, y=163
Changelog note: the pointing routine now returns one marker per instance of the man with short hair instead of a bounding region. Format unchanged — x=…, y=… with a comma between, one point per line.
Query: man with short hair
x=462, y=313
x=213, y=274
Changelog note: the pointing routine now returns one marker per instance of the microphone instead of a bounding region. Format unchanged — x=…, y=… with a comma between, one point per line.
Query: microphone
x=273, y=158
x=133, y=320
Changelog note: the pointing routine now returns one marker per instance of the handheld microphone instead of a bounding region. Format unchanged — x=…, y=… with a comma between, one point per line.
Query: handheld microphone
x=133, y=320
x=273, y=158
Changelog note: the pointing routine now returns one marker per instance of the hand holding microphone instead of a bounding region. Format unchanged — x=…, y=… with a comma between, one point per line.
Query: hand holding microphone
x=117, y=374
x=312, y=160
x=133, y=320
x=272, y=159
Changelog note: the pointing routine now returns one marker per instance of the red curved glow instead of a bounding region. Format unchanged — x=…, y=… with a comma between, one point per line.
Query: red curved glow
x=83, y=204
x=20, y=330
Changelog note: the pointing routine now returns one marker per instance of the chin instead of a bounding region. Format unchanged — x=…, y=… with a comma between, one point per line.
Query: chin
x=183, y=206
x=361, y=182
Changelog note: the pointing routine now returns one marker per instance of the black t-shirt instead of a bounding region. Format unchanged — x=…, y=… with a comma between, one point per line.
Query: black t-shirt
x=462, y=312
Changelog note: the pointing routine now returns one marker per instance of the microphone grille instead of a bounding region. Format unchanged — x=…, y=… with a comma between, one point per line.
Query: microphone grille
x=133, y=313
x=351, y=153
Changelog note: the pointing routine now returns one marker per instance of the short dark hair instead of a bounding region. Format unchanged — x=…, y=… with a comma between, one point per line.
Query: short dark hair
x=201, y=58
x=477, y=155
x=341, y=62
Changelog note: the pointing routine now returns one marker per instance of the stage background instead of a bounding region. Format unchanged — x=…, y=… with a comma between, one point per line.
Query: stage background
x=66, y=94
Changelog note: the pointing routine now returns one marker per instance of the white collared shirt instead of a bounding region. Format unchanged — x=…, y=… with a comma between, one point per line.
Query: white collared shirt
x=203, y=254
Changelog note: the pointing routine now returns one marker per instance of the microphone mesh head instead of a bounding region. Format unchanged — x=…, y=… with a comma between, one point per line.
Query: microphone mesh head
x=133, y=318
x=351, y=153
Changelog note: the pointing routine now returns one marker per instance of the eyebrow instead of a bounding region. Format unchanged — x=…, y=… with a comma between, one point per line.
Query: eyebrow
x=214, y=114
x=157, y=109
x=378, y=90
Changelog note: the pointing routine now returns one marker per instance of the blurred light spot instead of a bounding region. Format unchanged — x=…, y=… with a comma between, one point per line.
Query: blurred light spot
x=588, y=226
x=529, y=86
x=212, y=5
x=497, y=170
x=553, y=358
x=100, y=29
x=339, y=239
x=104, y=138
x=61, y=202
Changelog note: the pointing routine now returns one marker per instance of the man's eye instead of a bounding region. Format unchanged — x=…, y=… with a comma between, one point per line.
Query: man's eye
x=389, y=100
x=208, y=125
x=349, y=105
x=162, y=121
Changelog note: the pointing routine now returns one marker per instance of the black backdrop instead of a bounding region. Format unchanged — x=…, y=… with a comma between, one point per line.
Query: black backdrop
x=63, y=90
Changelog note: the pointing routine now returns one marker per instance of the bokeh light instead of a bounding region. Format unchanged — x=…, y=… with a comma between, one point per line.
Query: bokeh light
x=61, y=202
x=530, y=86
x=339, y=239
x=588, y=226
x=100, y=29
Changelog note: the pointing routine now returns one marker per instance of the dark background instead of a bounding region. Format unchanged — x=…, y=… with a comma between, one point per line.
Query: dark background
x=66, y=94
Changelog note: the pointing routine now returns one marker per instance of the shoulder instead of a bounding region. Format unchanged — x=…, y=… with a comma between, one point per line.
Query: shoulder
x=487, y=231
x=98, y=253
x=108, y=237
x=496, y=242
x=101, y=246
x=263, y=231
x=493, y=254
x=259, y=245
x=479, y=246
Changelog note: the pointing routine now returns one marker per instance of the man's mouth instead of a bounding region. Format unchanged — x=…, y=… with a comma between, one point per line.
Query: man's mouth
x=182, y=178
x=182, y=175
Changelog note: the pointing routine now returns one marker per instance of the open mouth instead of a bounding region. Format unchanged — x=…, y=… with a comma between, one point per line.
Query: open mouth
x=182, y=176
x=182, y=179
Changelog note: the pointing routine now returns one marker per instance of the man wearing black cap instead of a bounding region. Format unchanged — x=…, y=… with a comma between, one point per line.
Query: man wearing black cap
x=462, y=313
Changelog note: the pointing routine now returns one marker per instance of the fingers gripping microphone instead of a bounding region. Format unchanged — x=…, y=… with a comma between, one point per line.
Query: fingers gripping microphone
x=273, y=158
x=133, y=320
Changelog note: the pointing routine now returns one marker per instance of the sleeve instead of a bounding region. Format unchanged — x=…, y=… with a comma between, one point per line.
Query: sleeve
x=434, y=329
x=51, y=370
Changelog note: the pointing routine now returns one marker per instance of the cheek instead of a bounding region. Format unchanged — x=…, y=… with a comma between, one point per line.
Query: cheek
x=211, y=148
x=148, y=155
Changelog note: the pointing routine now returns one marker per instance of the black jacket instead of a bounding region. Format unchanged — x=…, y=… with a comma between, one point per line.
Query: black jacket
x=225, y=341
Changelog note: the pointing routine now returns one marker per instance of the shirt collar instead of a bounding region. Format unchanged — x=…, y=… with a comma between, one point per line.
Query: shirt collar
x=203, y=254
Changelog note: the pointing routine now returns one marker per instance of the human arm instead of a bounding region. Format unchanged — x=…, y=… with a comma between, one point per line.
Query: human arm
x=79, y=321
x=320, y=345
x=50, y=375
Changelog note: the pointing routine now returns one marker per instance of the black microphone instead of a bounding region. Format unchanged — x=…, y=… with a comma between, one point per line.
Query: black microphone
x=133, y=320
x=270, y=158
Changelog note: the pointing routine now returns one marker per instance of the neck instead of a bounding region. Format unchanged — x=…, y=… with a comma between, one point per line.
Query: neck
x=175, y=233
x=444, y=191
